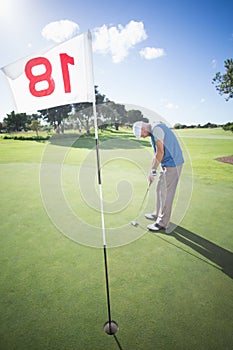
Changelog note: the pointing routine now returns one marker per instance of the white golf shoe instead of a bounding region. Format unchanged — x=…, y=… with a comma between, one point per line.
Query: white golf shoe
x=151, y=217
x=156, y=228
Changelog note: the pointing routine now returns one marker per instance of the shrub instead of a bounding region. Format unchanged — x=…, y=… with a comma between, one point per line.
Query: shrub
x=228, y=127
x=26, y=138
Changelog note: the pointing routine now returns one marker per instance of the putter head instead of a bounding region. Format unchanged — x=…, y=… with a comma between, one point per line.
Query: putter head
x=134, y=223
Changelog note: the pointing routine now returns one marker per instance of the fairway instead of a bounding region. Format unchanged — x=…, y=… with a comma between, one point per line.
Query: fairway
x=168, y=291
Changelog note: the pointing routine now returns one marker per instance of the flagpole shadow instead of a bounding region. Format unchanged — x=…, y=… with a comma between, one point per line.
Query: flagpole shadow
x=118, y=343
x=215, y=254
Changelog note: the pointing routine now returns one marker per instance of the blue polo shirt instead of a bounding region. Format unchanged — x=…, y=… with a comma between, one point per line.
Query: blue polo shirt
x=172, y=152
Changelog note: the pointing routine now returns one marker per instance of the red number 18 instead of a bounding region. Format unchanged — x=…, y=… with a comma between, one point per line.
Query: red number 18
x=47, y=75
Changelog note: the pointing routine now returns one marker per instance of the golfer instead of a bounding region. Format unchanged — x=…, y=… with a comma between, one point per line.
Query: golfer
x=168, y=154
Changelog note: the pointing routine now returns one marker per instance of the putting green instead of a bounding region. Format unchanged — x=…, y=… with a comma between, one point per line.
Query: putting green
x=167, y=291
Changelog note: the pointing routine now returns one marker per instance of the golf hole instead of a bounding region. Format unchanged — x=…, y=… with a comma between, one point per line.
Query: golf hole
x=111, y=328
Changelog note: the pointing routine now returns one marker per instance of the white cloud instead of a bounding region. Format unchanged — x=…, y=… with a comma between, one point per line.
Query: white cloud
x=59, y=31
x=151, y=53
x=117, y=41
x=202, y=100
x=171, y=105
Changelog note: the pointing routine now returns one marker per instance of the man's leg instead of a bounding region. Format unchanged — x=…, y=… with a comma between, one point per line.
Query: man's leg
x=159, y=197
x=168, y=187
x=160, y=193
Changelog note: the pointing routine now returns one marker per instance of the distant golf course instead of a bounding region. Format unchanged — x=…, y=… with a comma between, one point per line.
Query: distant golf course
x=168, y=291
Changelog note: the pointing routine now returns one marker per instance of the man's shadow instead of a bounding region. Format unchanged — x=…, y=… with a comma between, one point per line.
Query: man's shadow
x=221, y=257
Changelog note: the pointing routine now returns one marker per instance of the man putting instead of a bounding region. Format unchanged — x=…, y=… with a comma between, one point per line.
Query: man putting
x=168, y=153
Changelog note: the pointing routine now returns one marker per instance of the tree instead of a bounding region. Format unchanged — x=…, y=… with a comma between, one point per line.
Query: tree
x=120, y=113
x=83, y=115
x=135, y=115
x=56, y=115
x=224, y=82
x=228, y=126
x=17, y=122
x=35, y=126
x=180, y=126
x=209, y=125
x=84, y=111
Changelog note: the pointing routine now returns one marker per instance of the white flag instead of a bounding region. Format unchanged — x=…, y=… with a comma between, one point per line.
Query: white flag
x=61, y=75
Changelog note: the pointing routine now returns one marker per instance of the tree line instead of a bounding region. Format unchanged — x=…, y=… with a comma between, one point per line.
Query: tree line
x=227, y=127
x=75, y=116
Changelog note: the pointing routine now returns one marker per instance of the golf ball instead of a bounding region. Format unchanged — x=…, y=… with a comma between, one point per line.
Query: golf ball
x=111, y=330
x=134, y=223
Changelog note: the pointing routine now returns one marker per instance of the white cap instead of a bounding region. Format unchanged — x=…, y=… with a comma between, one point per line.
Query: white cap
x=137, y=128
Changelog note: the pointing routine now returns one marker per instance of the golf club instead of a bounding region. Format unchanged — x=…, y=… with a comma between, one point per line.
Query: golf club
x=135, y=223
x=147, y=190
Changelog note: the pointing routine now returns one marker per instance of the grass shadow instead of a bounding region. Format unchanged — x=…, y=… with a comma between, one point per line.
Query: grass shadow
x=108, y=139
x=209, y=250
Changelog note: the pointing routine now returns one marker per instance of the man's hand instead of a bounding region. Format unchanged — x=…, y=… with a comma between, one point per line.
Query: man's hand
x=151, y=176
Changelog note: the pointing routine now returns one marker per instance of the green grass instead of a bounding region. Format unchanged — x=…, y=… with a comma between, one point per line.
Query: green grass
x=167, y=291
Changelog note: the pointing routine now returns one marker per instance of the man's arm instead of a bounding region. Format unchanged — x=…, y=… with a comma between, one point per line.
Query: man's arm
x=158, y=155
x=156, y=159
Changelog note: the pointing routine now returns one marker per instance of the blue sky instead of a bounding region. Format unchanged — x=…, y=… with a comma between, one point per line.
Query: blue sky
x=161, y=54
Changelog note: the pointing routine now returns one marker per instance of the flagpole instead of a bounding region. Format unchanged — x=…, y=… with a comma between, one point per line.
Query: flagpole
x=111, y=326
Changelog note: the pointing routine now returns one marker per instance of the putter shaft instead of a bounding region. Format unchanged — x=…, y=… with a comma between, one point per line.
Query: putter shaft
x=147, y=190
